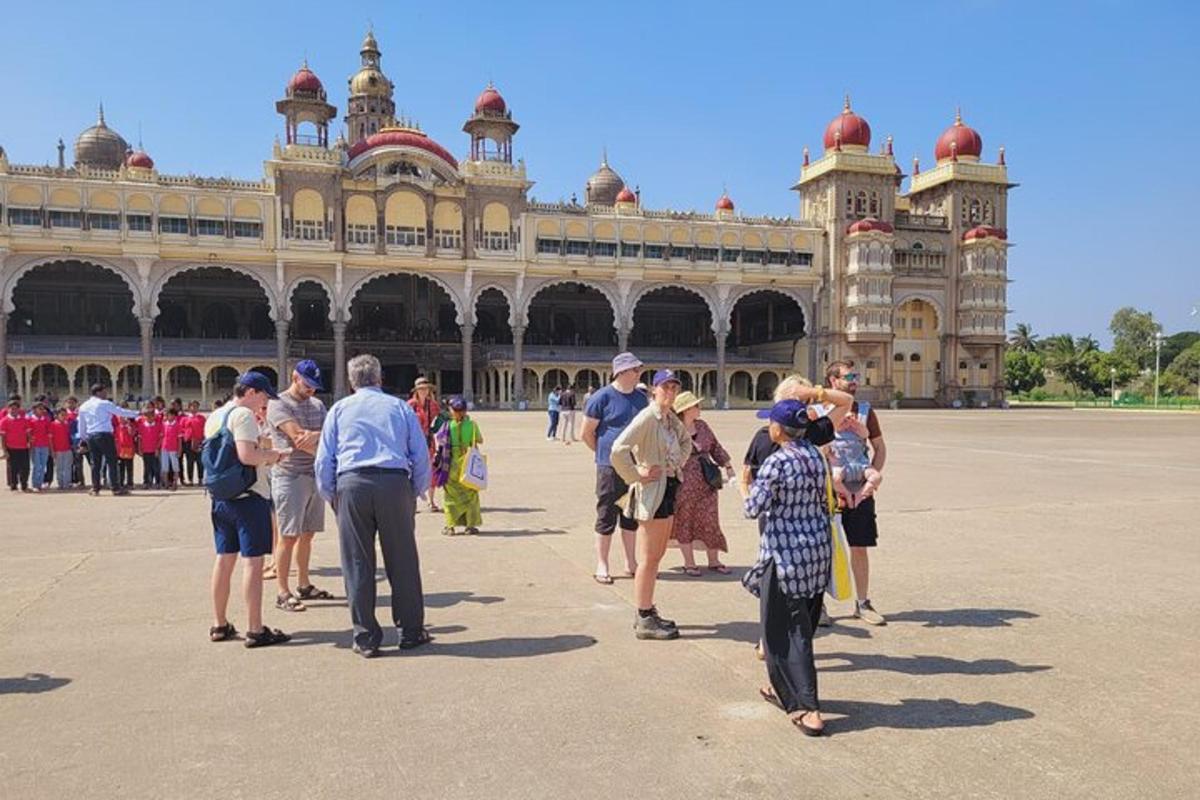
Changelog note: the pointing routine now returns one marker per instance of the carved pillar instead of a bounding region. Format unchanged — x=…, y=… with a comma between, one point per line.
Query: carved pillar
x=147, y=326
x=4, y=390
x=339, y=360
x=622, y=339
x=518, y=364
x=722, y=383
x=281, y=348
x=468, y=333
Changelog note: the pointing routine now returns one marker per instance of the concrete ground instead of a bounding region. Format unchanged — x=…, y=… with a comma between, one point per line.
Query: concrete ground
x=1039, y=570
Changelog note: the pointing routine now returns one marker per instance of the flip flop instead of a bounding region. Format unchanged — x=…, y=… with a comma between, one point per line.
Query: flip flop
x=603, y=579
x=721, y=568
x=692, y=571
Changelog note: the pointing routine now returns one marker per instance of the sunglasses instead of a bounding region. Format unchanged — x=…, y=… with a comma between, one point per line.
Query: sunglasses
x=851, y=376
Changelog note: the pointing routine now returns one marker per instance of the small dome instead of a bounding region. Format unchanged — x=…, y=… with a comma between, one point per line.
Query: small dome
x=139, y=158
x=626, y=196
x=402, y=137
x=305, y=81
x=869, y=225
x=985, y=232
x=724, y=203
x=604, y=185
x=958, y=140
x=100, y=146
x=490, y=102
x=370, y=81
x=849, y=129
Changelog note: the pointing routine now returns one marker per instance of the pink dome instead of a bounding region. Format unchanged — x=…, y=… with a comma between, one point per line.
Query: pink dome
x=985, y=232
x=626, y=196
x=402, y=137
x=869, y=225
x=305, y=80
x=847, y=128
x=958, y=140
x=490, y=102
x=139, y=158
x=724, y=203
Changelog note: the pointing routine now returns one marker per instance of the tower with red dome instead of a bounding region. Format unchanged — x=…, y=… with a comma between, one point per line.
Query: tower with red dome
x=491, y=127
x=304, y=101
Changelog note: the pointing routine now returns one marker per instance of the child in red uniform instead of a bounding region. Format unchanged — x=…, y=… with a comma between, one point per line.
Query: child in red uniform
x=64, y=454
x=149, y=440
x=14, y=436
x=194, y=443
x=172, y=429
x=39, y=454
x=123, y=435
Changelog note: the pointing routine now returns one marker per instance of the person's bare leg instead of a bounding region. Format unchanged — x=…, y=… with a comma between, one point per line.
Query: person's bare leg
x=252, y=592
x=652, y=536
x=283, y=562
x=222, y=575
x=603, y=548
x=714, y=558
x=629, y=541
x=303, y=557
x=861, y=567
x=689, y=556
x=270, y=559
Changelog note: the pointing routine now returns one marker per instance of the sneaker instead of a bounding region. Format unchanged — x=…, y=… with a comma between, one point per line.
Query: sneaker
x=365, y=652
x=670, y=623
x=867, y=613
x=825, y=621
x=654, y=627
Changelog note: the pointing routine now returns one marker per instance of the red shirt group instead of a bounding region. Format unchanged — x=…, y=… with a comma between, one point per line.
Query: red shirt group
x=15, y=430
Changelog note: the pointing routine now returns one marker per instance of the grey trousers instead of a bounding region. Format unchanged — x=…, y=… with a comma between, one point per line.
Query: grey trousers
x=383, y=503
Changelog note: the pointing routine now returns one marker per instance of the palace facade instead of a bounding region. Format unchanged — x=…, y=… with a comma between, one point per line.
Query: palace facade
x=384, y=241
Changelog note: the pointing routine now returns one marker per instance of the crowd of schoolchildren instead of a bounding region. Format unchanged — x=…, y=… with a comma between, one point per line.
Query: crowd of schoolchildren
x=43, y=449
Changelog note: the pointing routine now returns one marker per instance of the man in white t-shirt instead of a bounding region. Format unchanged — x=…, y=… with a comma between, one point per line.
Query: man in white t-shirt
x=243, y=524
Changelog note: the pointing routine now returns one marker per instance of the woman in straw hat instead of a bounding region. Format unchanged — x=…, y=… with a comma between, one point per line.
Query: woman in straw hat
x=697, y=519
x=424, y=403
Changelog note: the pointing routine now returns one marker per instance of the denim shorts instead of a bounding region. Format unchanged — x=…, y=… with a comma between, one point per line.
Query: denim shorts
x=242, y=526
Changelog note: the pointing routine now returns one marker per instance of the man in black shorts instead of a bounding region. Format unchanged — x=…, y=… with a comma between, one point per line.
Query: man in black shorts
x=859, y=523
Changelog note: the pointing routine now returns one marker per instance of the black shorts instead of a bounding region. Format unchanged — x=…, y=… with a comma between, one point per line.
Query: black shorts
x=667, y=507
x=859, y=524
x=609, y=489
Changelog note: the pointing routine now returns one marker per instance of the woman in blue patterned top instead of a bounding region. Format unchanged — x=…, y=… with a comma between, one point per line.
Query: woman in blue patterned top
x=790, y=494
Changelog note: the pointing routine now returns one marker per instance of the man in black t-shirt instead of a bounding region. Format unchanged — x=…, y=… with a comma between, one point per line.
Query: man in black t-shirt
x=566, y=406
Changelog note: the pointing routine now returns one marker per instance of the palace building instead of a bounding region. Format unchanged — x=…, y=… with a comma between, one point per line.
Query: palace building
x=385, y=241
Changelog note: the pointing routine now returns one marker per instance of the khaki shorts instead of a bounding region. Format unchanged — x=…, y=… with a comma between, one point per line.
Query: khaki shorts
x=298, y=507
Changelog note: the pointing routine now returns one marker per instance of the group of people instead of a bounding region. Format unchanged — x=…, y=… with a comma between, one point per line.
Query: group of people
x=46, y=445
x=562, y=404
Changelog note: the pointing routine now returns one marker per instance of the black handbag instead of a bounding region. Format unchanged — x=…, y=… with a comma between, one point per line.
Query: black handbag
x=712, y=473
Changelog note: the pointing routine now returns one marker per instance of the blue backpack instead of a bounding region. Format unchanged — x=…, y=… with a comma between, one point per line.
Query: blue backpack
x=225, y=477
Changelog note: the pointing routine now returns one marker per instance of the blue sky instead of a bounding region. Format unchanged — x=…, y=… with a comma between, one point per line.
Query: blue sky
x=1095, y=103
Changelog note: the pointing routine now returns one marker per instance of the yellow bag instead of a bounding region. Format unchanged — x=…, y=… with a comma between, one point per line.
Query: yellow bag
x=841, y=581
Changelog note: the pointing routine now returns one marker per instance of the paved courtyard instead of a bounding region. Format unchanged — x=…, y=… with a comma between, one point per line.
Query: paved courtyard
x=1040, y=571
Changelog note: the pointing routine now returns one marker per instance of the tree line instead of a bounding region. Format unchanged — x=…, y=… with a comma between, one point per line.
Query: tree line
x=1079, y=362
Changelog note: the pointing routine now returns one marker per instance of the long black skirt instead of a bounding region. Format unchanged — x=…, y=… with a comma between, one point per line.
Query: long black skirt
x=788, y=627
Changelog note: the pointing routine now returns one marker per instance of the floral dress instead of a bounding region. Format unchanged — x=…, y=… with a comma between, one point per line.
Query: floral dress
x=696, y=509
x=791, y=496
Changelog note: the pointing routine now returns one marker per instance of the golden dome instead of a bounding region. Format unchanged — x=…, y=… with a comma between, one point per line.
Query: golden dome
x=604, y=185
x=100, y=146
x=370, y=81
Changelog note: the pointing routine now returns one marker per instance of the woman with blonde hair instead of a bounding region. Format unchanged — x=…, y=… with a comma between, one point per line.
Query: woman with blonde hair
x=697, y=513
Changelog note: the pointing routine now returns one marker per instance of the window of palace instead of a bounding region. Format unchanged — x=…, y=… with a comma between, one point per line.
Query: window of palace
x=681, y=253
x=860, y=203
x=802, y=259
x=901, y=323
x=25, y=216
x=360, y=234
x=100, y=221
x=496, y=240
x=405, y=235
x=247, y=230
x=915, y=357
x=66, y=219
x=777, y=258
x=918, y=323
x=308, y=230
x=874, y=204
x=753, y=256
x=447, y=238
x=605, y=249
x=898, y=357
x=630, y=250
x=729, y=256
x=139, y=222
x=210, y=227
x=550, y=246
x=707, y=253
x=173, y=225
x=654, y=251
x=577, y=247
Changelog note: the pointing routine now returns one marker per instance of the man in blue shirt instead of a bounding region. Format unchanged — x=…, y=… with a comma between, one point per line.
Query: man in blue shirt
x=95, y=428
x=552, y=407
x=372, y=464
x=607, y=413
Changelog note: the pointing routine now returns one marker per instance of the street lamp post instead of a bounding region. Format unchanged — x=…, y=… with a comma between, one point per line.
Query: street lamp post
x=1158, y=340
x=1112, y=388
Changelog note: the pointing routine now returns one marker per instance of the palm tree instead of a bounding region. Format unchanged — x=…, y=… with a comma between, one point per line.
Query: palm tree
x=1086, y=344
x=1023, y=338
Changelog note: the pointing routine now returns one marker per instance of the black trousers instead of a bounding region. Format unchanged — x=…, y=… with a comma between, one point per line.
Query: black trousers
x=788, y=626
x=151, y=470
x=125, y=471
x=371, y=502
x=102, y=451
x=191, y=461
x=18, y=469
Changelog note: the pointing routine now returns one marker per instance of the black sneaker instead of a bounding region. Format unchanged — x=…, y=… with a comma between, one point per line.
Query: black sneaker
x=654, y=627
x=365, y=652
x=670, y=623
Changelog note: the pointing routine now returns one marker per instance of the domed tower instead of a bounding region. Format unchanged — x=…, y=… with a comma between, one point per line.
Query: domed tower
x=304, y=101
x=491, y=122
x=958, y=143
x=604, y=185
x=370, y=108
x=100, y=147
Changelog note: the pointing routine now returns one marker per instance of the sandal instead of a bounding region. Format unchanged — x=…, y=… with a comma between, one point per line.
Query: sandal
x=269, y=573
x=769, y=695
x=798, y=721
x=266, y=637
x=721, y=568
x=311, y=592
x=222, y=633
x=289, y=602
x=449, y=532
x=603, y=579
x=692, y=571
x=408, y=643
x=472, y=531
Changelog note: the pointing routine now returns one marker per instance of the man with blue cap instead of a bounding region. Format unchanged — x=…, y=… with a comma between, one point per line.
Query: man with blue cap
x=296, y=418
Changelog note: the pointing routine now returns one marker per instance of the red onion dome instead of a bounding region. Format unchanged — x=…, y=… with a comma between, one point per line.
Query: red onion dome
x=958, y=140
x=626, y=196
x=985, y=232
x=305, y=80
x=139, y=158
x=869, y=225
x=490, y=102
x=848, y=129
x=402, y=137
x=724, y=203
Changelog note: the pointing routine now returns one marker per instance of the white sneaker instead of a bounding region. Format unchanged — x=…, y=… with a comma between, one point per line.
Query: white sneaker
x=867, y=613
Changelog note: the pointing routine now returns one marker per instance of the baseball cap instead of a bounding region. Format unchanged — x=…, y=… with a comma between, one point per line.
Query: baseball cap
x=256, y=380
x=310, y=373
x=458, y=403
x=665, y=376
x=788, y=413
x=625, y=361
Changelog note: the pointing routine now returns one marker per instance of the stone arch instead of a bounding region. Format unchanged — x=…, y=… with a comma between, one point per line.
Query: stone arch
x=263, y=282
x=86, y=374
x=765, y=385
x=489, y=326
x=290, y=292
x=218, y=380
x=182, y=377
x=502, y=289
x=614, y=303
x=357, y=286
x=6, y=299
x=904, y=296
x=711, y=302
x=793, y=294
x=49, y=377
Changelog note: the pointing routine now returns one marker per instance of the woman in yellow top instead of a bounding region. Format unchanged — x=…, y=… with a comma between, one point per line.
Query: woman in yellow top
x=462, y=502
x=649, y=456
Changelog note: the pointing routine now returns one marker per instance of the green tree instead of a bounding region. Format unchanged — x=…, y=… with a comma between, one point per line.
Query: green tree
x=1186, y=365
x=1176, y=343
x=1108, y=370
x=1133, y=336
x=1023, y=370
x=1022, y=338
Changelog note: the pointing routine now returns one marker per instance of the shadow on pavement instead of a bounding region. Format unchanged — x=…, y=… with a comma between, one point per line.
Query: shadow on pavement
x=677, y=574
x=918, y=714
x=749, y=632
x=963, y=617
x=447, y=599
x=513, y=510
x=925, y=665
x=516, y=534
x=31, y=683
x=511, y=647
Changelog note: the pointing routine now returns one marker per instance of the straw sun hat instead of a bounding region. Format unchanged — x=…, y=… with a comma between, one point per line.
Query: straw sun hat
x=685, y=400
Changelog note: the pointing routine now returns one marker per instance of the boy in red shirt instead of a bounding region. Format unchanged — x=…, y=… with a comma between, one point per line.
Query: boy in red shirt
x=60, y=446
x=14, y=438
x=123, y=438
x=149, y=440
x=172, y=430
x=193, y=443
x=39, y=441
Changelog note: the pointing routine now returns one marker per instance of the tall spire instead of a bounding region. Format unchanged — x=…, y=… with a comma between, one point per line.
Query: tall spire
x=100, y=116
x=846, y=104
